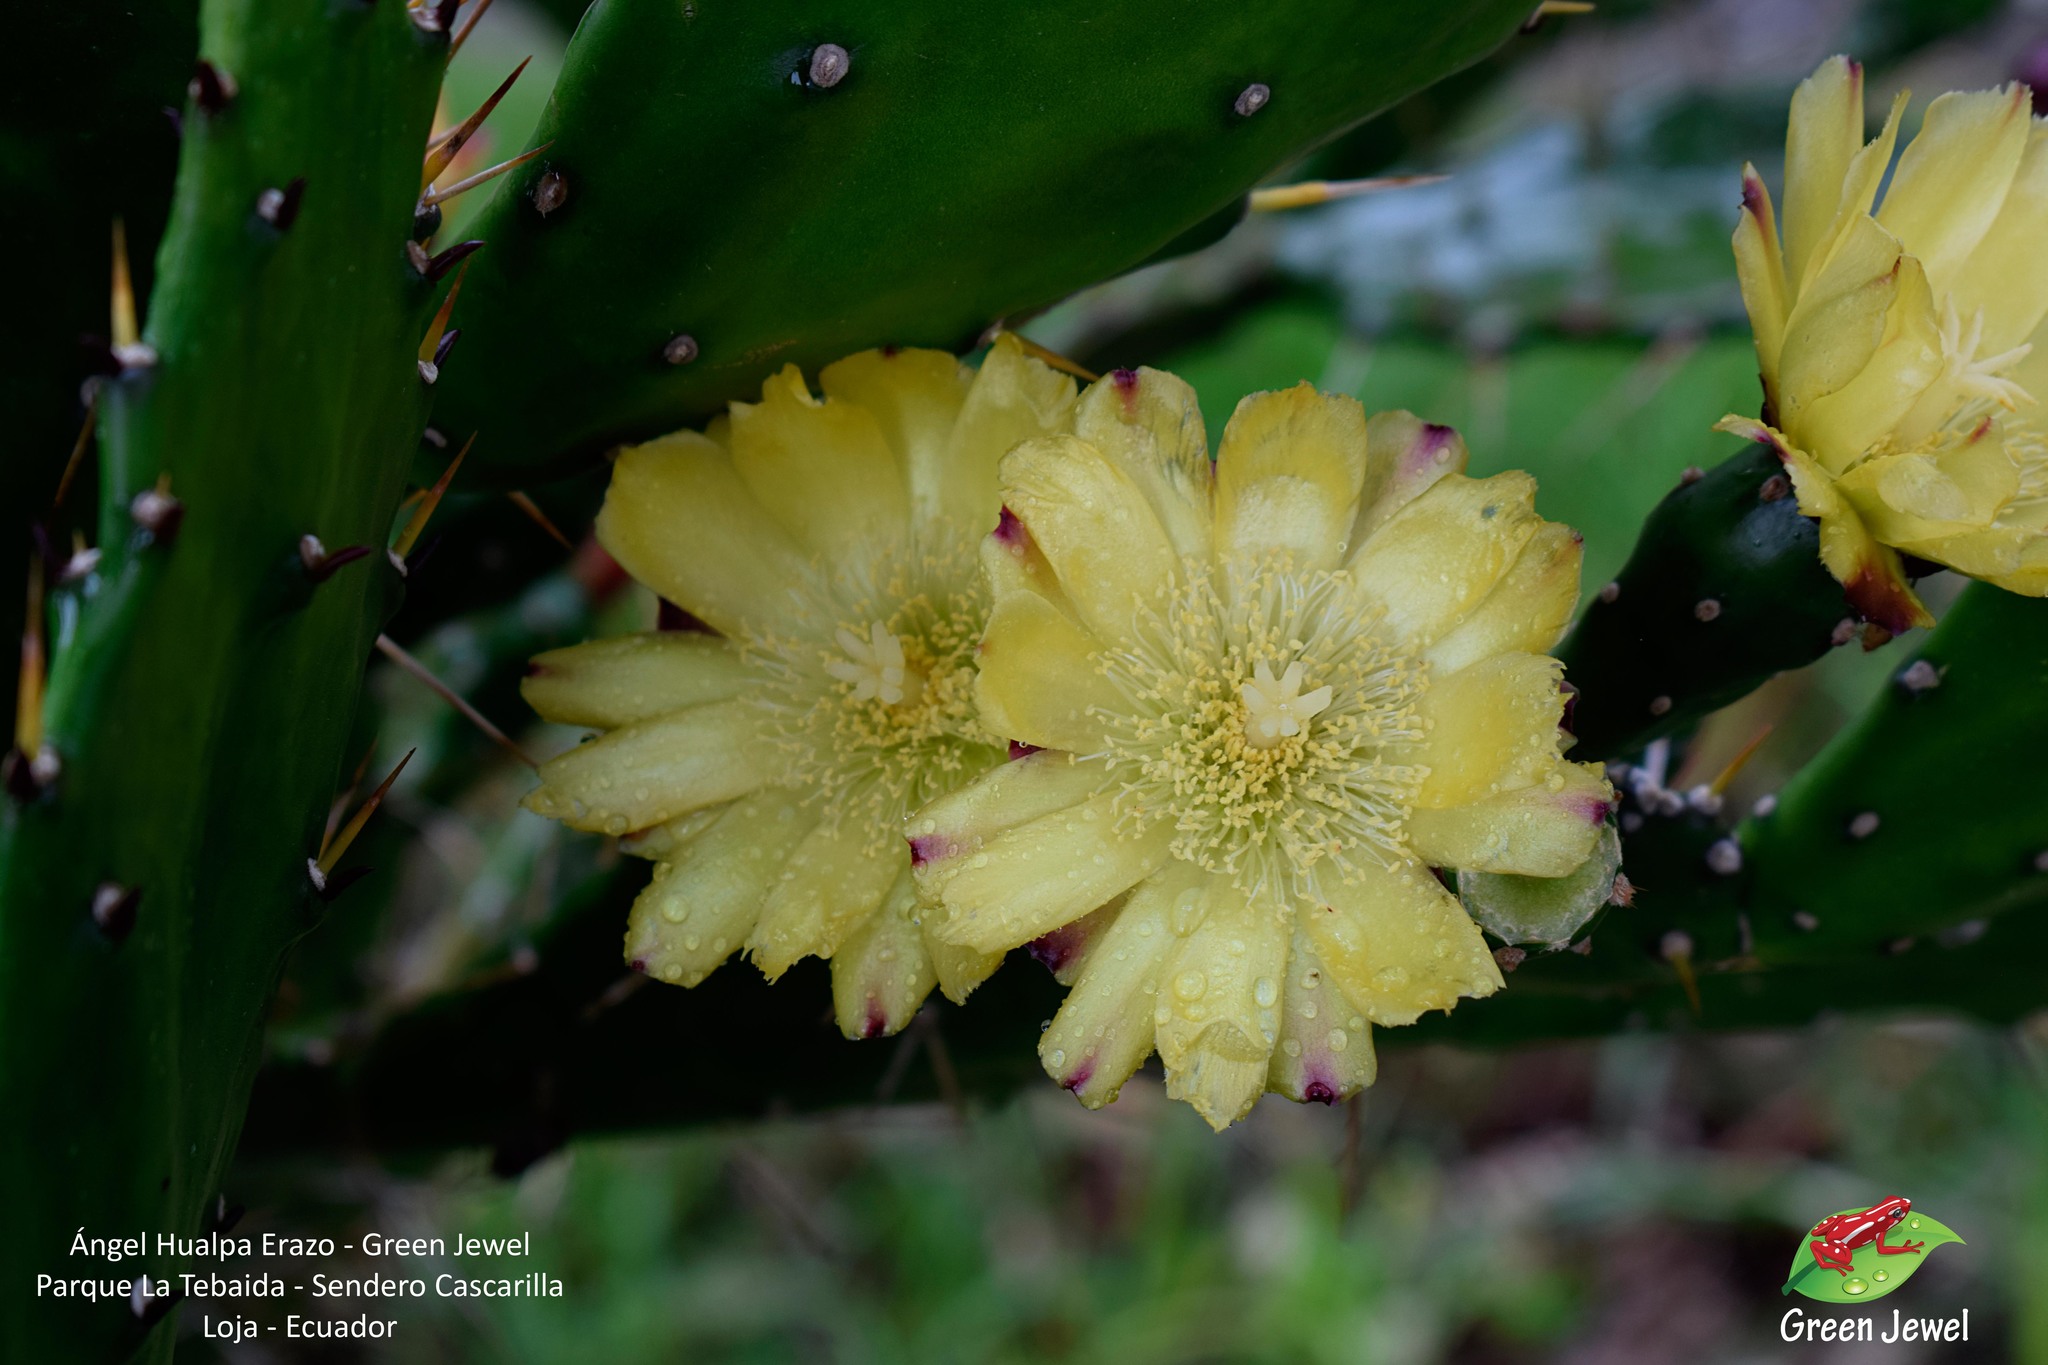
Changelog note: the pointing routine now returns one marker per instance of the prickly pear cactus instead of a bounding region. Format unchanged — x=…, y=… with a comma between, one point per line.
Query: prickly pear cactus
x=927, y=170
x=203, y=674
x=1725, y=589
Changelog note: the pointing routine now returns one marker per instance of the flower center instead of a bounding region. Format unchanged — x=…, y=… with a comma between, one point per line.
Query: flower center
x=869, y=693
x=876, y=667
x=1212, y=740
x=1275, y=708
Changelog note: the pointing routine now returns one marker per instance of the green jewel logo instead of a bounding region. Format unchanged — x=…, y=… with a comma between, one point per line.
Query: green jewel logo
x=1861, y=1254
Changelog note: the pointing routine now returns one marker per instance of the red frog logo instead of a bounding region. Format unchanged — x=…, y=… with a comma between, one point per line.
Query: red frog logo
x=1836, y=1237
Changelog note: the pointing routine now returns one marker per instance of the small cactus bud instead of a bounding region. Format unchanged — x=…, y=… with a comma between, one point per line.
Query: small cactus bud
x=680, y=350
x=1707, y=609
x=1864, y=825
x=1724, y=857
x=1252, y=98
x=829, y=65
x=1919, y=676
x=113, y=909
x=550, y=192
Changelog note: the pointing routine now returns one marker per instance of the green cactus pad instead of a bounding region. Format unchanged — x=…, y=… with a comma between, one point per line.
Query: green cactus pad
x=202, y=685
x=715, y=212
x=1724, y=591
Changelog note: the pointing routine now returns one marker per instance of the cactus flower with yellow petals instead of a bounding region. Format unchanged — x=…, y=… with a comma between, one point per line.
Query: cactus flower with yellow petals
x=1901, y=342
x=768, y=768
x=1273, y=697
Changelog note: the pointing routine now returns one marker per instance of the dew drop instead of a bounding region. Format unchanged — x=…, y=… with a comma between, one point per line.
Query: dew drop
x=1339, y=1040
x=1057, y=1057
x=1189, y=985
x=1852, y=1285
x=1881, y=1276
x=1913, y=1222
x=1265, y=992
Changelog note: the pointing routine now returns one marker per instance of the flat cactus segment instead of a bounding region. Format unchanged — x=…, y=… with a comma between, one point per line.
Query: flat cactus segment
x=203, y=680
x=1724, y=591
x=724, y=195
x=1928, y=815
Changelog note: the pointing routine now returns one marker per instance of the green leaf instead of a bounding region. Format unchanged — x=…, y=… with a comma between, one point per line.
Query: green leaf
x=1872, y=1274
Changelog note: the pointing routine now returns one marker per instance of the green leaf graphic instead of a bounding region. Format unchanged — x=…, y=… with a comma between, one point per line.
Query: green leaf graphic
x=1872, y=1275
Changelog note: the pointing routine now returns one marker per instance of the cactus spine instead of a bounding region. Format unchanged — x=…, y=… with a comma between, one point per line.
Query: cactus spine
x=153, y=864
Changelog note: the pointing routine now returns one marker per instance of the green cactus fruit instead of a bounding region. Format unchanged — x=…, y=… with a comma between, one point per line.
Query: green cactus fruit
x=731, y=188
x=1725, y=590
x=154, y=863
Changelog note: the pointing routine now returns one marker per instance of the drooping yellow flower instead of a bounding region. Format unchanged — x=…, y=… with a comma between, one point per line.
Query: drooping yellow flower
x=1901, y=342
x=1273, y=698
x=768, y=768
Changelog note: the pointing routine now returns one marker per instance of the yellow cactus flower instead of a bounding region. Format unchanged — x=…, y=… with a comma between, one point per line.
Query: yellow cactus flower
x=1272, y=698
x=768, y=768
x=1900, y=341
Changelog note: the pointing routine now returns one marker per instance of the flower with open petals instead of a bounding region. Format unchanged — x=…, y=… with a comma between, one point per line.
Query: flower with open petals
x=768, y=768
x=1900, y=342
x=1273, y=697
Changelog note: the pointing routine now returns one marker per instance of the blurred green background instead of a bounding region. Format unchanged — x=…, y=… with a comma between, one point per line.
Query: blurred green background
x=1566, y=299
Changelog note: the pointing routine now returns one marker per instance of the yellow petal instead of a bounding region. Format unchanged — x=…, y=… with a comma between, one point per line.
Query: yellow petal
x=1094, y=527
x=829, y=885
x=1288, y=476
x=881, y=974
x=1038, y=681
x=915, y=397
x=1846, y=424
x=1859, y=189
x=658, y=841
x=654, y=770
x=1218, y=1011
x=1325, y=1052
x=1104, y=1031
x=1839, y=321
x=1487, y=727
x=822, y=469
x=2006, y=276
x=959, y=969
x=609, y=683
x=1396, y=944
x=948, y=832
x=1526, y=611
x=1013, y=399
x=1438, y=557
x=1952, y=179
x=1066, y=951
x=1824, y=134
x=1870, y=573
x=1404, y=456
x=1032, y=879
x=707, y=892
x=677, y=518
x=1147, y=423
x=1537, y=830
x=1760, y=268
